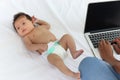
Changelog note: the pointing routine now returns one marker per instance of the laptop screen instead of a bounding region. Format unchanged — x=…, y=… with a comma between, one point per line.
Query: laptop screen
x=103, y=16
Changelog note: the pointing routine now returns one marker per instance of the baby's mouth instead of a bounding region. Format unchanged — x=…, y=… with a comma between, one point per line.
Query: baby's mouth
x=24, y=30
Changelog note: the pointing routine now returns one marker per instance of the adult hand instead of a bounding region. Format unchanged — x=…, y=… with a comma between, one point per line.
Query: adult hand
x=106, y=52
x=116, y=45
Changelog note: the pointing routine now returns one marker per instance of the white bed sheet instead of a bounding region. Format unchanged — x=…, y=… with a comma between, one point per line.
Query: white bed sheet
x=65, y=16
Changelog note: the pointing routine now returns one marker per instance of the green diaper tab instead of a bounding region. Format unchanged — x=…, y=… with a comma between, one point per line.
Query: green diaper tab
x=52, y=48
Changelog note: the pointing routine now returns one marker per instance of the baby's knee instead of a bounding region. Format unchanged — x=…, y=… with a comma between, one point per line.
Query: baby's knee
x=67, y=35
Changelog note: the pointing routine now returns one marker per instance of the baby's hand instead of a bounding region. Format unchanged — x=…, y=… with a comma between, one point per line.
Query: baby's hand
x=44, y=47
x=34, y=19
x=40, y=51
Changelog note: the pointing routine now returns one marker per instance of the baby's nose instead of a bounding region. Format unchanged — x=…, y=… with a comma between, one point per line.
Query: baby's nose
x=21, y=28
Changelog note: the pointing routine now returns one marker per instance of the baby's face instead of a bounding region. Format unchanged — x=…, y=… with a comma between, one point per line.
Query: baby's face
x=23, y=26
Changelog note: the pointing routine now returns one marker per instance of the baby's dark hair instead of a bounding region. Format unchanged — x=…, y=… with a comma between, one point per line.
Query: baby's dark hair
x=18, y=15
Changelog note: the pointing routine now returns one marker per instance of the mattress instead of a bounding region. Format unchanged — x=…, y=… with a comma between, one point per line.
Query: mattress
x=64, y=16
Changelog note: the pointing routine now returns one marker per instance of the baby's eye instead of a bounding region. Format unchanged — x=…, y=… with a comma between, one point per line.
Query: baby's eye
x=23, y=23
x=18, y=28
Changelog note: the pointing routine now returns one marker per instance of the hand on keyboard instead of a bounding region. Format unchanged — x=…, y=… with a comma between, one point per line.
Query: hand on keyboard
x=106, y=53
x=116, y=45
x=105, y=50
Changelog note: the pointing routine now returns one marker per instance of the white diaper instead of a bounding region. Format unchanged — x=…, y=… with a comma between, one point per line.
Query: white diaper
x=56, y=48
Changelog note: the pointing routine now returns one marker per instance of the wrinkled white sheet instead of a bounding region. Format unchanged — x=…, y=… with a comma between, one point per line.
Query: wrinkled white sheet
x=64, y=16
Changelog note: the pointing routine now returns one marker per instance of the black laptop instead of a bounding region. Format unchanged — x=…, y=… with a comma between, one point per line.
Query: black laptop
x=102, y=22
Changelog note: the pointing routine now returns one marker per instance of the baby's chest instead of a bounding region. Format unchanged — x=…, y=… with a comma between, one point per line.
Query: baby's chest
x=38, y=38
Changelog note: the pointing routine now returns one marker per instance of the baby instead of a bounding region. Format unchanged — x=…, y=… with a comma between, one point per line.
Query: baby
x=38, y=39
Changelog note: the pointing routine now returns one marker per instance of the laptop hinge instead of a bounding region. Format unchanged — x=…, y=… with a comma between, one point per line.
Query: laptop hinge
x=102, y=30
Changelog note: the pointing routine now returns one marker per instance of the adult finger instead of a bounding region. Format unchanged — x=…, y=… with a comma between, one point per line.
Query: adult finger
x=103, y=42
x=118, y=41
x=101, y=45
x=118, y=38
x=107, y=42
x=116, y=48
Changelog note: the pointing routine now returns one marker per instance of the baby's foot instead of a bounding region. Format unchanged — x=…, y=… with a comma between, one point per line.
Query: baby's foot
x=77, y=75
x=78, y=53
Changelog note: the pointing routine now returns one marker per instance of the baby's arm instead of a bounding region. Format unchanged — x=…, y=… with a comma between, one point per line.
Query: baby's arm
x=41, y=22
x=35, y=47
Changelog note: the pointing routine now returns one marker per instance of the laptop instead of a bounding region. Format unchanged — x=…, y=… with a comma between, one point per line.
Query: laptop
x=102, y=22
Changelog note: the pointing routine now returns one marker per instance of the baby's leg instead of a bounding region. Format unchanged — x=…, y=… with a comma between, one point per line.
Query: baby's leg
x=67, y=42
x=58, y=62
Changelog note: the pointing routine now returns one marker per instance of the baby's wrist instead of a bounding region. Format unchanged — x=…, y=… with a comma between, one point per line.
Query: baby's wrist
x=36, y=21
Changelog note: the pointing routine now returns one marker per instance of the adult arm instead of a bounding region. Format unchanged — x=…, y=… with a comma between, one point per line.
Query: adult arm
x=107, y=55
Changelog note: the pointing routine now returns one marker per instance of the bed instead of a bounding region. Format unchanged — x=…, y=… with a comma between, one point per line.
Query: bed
x=64, y=16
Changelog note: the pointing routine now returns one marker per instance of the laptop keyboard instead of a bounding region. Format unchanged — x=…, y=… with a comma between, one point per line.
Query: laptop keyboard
x=95, y=38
